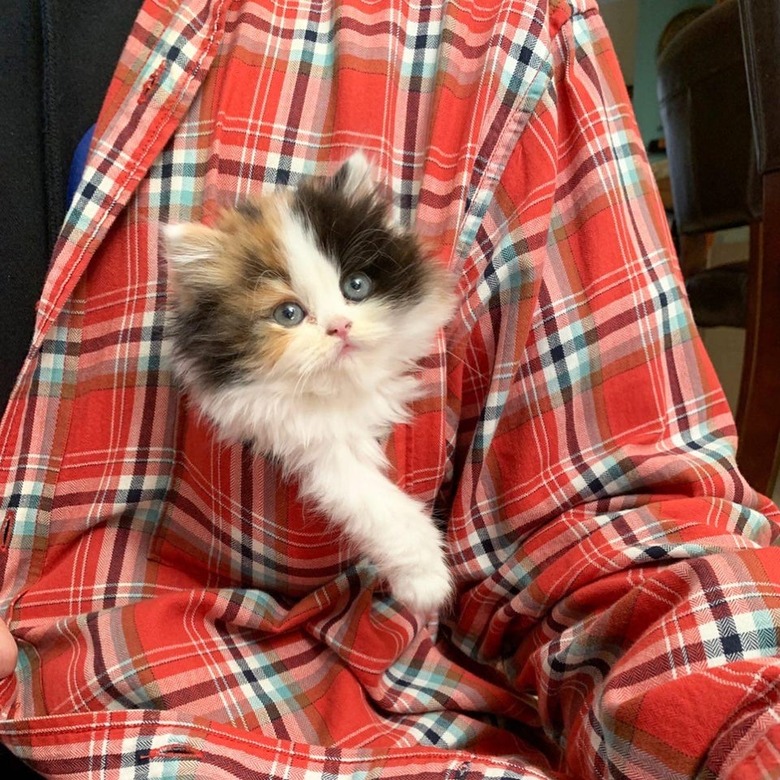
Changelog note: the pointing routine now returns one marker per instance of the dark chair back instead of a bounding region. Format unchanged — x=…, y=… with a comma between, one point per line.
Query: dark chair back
x=719, y=93
x=705, y=110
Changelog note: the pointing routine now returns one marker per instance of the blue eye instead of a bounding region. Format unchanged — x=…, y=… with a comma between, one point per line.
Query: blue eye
x=356, y=287
x=289, y=314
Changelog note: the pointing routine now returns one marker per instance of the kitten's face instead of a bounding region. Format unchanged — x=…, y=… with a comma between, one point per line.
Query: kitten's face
x=309, y=288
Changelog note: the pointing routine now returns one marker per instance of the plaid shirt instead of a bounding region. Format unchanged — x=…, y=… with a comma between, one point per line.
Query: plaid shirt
x=180, y=614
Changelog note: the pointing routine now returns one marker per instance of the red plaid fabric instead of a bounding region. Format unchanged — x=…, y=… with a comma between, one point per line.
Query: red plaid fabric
x=180, y=614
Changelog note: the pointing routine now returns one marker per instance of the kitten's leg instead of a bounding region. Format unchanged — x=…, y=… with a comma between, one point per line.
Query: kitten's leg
x=382, y=522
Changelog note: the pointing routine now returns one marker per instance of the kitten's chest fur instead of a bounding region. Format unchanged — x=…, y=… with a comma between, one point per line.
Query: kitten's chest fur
x=305, y=427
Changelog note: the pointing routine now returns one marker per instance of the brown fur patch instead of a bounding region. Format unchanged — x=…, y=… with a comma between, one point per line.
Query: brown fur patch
x=254, y=260
x=269, y=346
x=252, y=244
x=274, y=345
x=267, y=295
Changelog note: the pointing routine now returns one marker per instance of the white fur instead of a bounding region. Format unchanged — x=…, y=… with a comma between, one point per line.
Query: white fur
x=323, y=415
x=359, y=176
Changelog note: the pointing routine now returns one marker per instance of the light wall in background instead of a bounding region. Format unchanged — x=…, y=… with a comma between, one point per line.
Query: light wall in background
x=621, y=18
x=635, y=27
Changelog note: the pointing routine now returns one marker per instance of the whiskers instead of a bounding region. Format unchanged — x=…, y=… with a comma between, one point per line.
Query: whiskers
x=302, y=383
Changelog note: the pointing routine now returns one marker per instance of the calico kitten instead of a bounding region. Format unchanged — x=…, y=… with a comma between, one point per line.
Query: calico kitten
x=296, y=323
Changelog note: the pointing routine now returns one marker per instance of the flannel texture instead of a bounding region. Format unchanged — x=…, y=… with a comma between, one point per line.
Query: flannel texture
x=180, y=614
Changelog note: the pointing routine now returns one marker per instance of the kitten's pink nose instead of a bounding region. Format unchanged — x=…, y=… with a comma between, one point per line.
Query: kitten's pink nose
x=340, y=327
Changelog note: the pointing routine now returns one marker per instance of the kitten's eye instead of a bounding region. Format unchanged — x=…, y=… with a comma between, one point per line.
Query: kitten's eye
x=289, y=314
x=356, y=287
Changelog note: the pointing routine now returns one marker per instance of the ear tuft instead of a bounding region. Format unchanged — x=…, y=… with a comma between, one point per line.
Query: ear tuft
x=190, y=242
x=355, y=177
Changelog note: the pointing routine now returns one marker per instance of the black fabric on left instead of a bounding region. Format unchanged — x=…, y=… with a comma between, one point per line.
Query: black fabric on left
x=56, y=61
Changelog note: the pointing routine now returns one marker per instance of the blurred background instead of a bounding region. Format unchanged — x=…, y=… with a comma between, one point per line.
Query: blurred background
x=704, y=79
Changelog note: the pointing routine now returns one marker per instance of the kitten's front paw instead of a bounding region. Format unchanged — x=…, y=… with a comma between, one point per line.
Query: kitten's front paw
x=425, y=590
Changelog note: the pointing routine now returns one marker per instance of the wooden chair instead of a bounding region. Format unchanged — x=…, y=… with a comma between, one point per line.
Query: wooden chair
x=758, y=413
x=719, y=91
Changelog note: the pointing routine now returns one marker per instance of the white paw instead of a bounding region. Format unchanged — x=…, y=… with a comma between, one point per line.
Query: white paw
x=423, y=589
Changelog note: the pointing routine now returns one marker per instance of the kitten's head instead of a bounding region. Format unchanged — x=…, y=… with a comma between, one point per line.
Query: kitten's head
x=308, y=289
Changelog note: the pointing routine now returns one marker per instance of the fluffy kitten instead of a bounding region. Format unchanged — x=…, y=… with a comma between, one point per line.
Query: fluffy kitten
x=296, y=324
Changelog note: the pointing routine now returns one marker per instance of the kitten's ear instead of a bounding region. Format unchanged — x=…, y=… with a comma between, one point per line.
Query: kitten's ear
x=190, y=242
x=355, y=178
x=192, y=251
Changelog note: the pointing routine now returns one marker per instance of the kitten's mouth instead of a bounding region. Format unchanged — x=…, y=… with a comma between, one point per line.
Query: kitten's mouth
x=347, y=348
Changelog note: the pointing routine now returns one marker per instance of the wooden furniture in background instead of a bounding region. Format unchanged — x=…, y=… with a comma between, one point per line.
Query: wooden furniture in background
x=758, y=413
x=719, y=79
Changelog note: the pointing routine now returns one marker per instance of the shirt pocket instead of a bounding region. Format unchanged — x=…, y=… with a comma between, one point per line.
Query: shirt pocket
x=231, y=519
